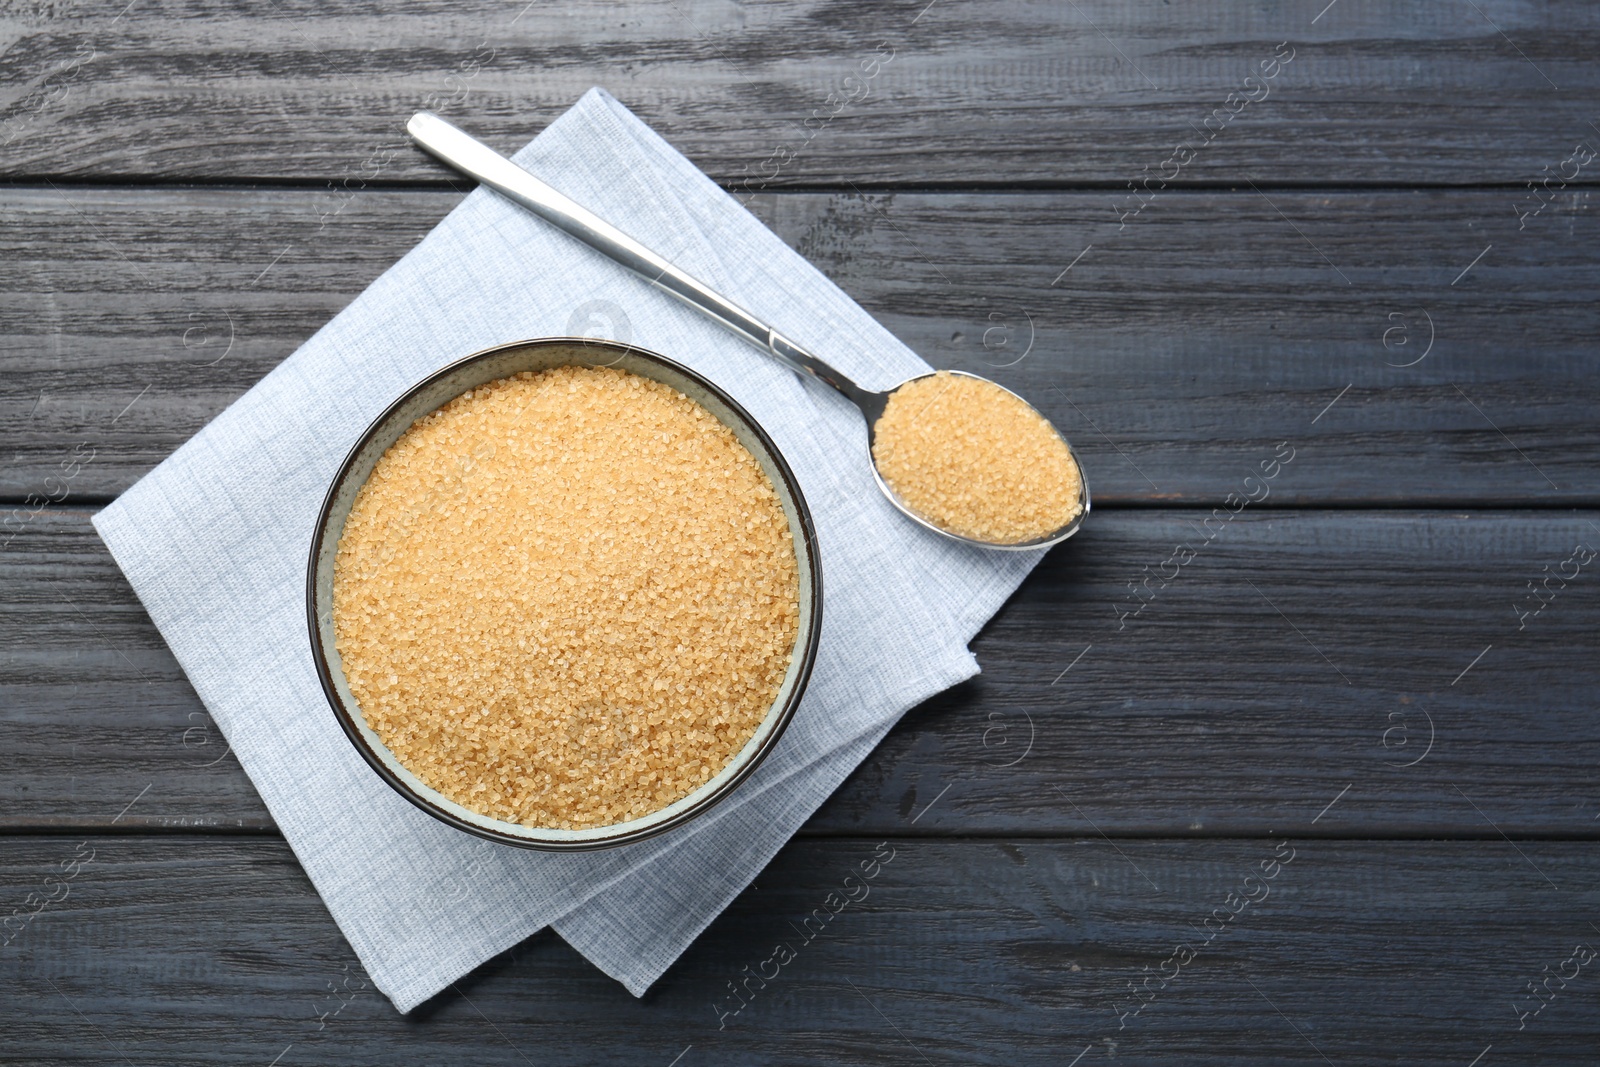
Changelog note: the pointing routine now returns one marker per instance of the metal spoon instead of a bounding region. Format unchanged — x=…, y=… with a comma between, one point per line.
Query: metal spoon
x=476, y=159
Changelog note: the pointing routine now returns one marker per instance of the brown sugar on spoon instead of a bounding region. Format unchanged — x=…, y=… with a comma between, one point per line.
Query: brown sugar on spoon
x=975, y=460
x=567, y=598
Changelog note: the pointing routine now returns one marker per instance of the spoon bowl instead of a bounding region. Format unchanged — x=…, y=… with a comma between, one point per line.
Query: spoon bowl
x=872, y=406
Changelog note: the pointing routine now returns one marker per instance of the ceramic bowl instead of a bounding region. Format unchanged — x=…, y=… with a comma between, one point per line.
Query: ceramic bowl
x=440, y=388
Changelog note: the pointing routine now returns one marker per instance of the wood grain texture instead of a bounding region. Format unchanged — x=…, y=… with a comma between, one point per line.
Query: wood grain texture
x=1297, y=658
x=1379, y=661
x=998, y=91
x=1174, y=353
x=1004, y=952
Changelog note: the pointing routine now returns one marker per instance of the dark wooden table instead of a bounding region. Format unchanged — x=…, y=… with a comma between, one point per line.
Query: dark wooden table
x=1288, y=769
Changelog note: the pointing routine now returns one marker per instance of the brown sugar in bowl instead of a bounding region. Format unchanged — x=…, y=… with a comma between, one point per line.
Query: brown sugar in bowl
x=701, y=745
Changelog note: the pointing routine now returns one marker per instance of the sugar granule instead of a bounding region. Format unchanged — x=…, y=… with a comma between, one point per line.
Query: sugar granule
x=566, y=598
x=973, y=459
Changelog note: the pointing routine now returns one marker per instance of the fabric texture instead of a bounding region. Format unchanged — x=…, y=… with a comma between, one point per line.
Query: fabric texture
x=215, y=541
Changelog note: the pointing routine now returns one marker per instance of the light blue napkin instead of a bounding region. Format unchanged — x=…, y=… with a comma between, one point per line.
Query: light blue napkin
x=215, y=539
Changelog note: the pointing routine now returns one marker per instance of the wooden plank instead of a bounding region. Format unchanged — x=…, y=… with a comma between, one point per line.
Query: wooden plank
x=1297, y=659
x=1005, y=952
x=1174, y=353
x=997, y=91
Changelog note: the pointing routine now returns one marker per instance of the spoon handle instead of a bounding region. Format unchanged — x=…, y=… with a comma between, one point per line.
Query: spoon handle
x=476, y=159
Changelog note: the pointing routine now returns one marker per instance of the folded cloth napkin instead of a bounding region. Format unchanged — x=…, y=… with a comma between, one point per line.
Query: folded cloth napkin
x=215, y=539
